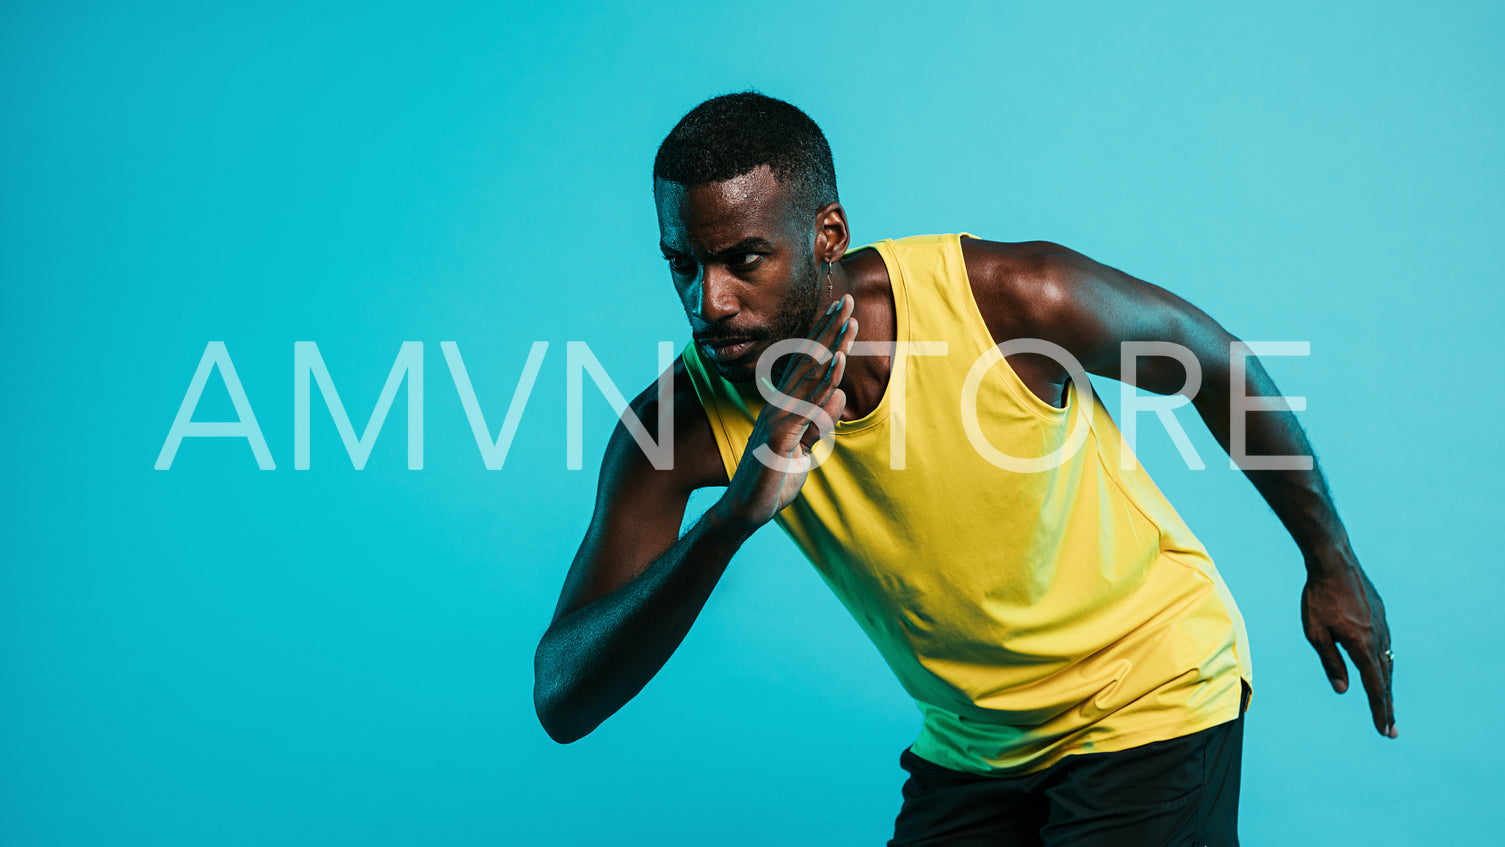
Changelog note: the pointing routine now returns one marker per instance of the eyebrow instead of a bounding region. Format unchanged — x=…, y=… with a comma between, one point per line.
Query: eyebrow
x=746, y=245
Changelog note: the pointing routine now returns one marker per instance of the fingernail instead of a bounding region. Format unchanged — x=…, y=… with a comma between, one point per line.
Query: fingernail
x=1393, y=733
x=831, y=308
x=844, y=325
x=770, y=385
x=1339, y=685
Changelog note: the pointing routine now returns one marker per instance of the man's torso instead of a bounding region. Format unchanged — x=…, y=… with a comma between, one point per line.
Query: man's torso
x=1031, y=615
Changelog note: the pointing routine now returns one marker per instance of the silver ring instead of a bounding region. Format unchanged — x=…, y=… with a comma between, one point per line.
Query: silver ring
x=1389, y=655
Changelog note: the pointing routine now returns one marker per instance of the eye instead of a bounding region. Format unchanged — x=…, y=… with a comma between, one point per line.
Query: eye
x=749, y=261
x=680, y=266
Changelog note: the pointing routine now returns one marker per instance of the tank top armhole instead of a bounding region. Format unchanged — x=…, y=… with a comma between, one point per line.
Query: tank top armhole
x=1003, y=371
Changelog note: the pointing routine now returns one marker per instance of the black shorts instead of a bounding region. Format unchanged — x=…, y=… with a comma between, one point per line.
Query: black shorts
x=1182, y=791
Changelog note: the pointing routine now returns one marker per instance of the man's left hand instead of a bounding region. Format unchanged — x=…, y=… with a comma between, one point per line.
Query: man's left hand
x=1340, y=606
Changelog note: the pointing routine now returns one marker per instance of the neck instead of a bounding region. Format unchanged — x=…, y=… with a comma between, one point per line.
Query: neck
x=864, y=276
x=841, y=283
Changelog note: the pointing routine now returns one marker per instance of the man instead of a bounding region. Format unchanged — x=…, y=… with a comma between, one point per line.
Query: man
x=939, y=456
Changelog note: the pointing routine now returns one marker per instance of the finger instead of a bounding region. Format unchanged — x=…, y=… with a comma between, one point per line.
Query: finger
x=829, y=331
x=828, y=328
x=840, y=327
x=824, y=420
x=1332, y=662
x=827, y=385
x=831, y=408
x=1376, y=685
x=818, y=394
x=835, y=404
x=807, y=360
x=844, y=343
x=816, y=356
x=1386, y=661
x=838, y=312
x=1390, y=689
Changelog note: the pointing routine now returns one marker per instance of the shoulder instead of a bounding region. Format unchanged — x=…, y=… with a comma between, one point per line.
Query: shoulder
x=864, y=260
x=994, y=257
x=1023, y=287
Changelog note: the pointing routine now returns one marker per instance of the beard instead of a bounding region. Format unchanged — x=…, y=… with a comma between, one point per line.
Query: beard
x=795, y=318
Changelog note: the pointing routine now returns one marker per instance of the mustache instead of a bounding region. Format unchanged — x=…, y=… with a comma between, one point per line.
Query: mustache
x=719, y=339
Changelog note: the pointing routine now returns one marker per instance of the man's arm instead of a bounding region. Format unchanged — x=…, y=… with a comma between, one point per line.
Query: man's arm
x=1043, y=290
x=635, y=587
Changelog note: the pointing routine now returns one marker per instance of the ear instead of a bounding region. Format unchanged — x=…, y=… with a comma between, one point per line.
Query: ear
x=831, y=233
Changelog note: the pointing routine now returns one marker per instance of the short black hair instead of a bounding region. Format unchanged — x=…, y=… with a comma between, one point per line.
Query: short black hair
x=728, y=136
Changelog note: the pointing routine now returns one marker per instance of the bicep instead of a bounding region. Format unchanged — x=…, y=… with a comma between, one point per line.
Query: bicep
x=639, y=508
x=1144, y=312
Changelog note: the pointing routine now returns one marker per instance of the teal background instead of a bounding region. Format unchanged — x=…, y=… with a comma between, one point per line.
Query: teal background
x=220, y=655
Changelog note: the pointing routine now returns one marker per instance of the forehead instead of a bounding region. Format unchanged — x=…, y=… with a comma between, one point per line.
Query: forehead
x=712, y=216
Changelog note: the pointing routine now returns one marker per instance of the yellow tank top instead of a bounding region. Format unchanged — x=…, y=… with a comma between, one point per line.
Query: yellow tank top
x=1030, y=614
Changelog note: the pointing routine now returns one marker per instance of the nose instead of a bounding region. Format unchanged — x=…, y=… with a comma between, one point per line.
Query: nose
x=717, y=299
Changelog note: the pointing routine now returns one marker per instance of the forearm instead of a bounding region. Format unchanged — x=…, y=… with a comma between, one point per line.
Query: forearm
x=1299, y=498
x=593, y=660
x=1339, y=605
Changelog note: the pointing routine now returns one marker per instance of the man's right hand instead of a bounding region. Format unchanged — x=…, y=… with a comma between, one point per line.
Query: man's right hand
x=763, y=486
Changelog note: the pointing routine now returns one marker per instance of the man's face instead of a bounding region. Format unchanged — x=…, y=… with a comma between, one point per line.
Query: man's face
x=743, y=265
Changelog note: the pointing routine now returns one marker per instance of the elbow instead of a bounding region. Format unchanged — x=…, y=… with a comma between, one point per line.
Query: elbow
x=554, y=718
x=551, y=700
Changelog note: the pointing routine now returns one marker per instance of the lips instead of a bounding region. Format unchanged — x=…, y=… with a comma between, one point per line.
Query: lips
x=728, y=350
